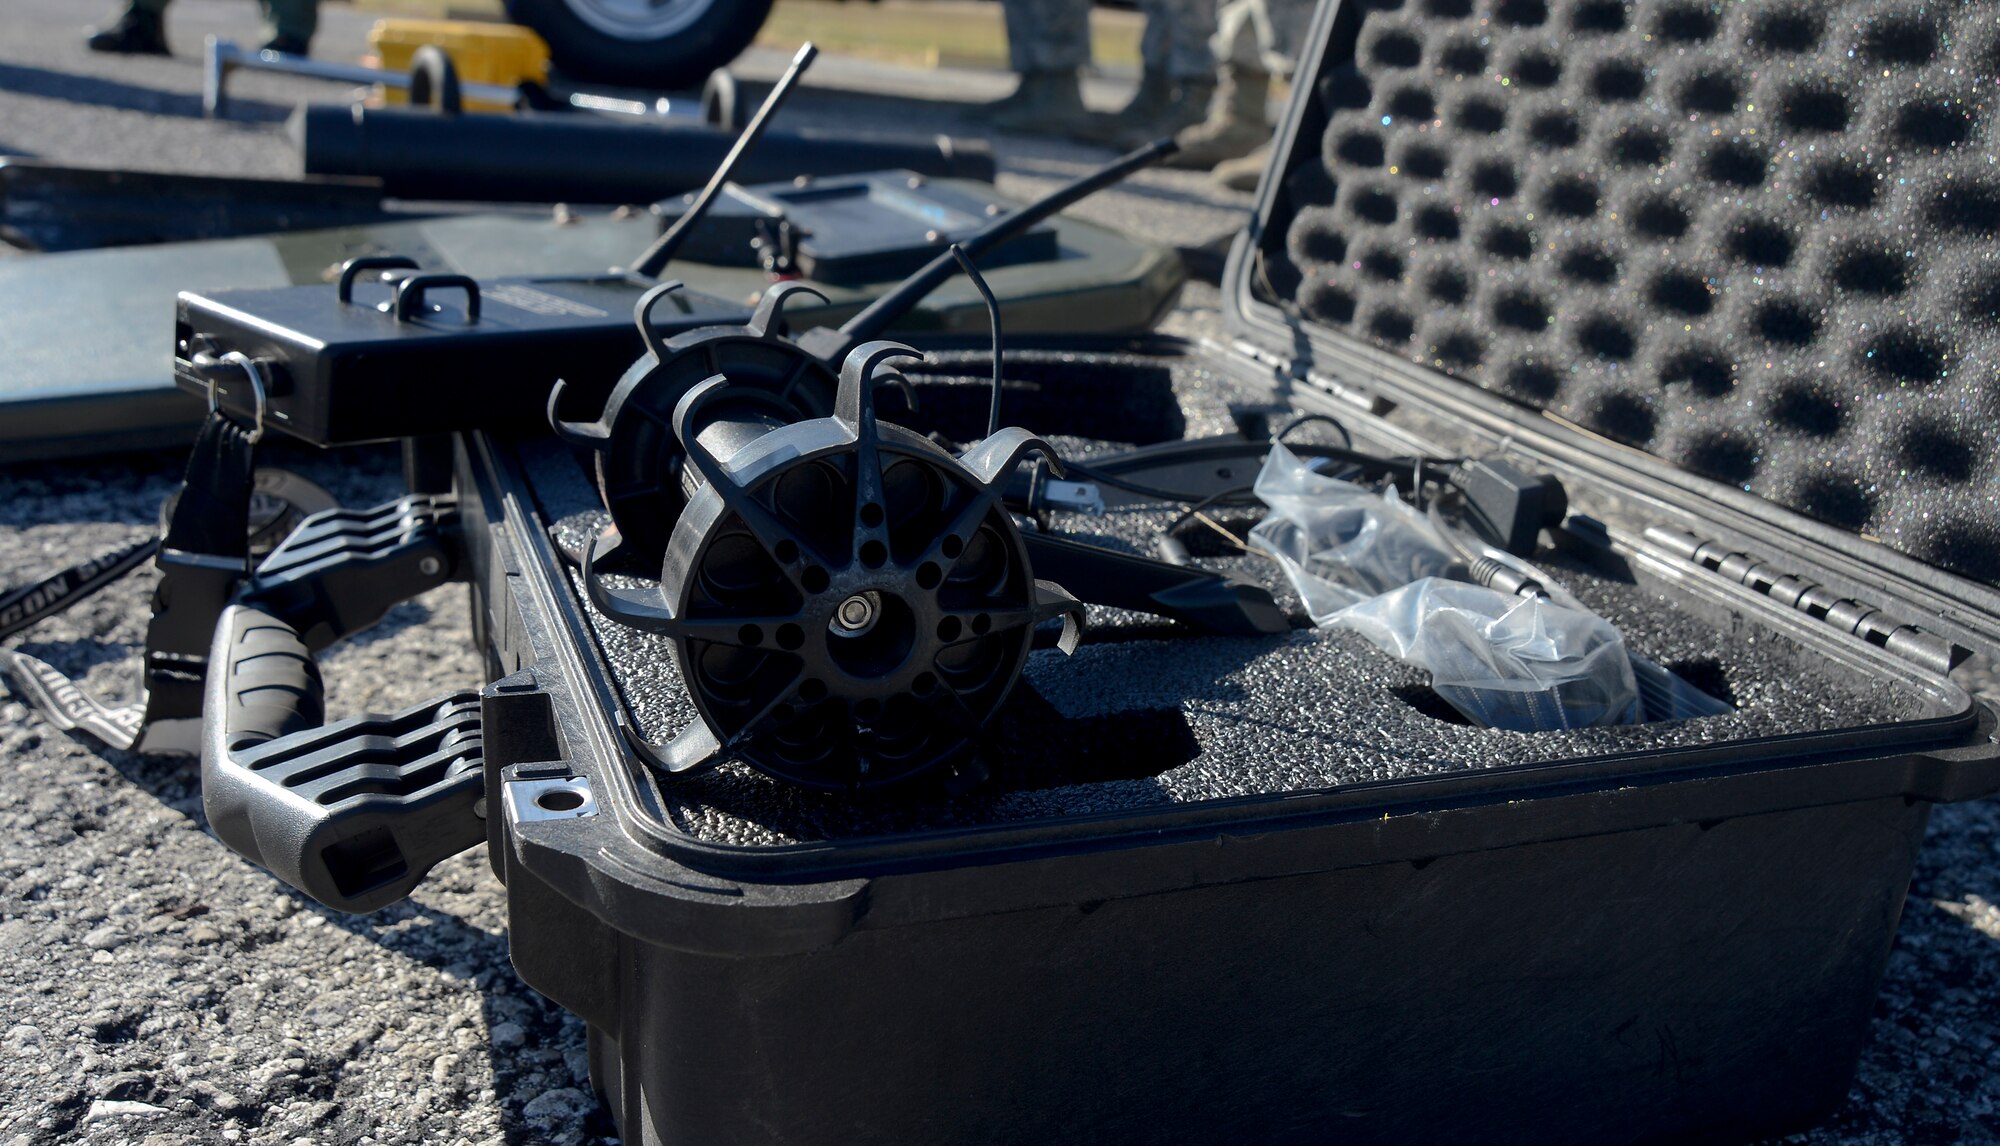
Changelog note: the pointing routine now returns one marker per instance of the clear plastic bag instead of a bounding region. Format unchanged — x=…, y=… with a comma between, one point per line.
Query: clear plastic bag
x=1527, y=664
x=1340, y=543
x=1371, y=562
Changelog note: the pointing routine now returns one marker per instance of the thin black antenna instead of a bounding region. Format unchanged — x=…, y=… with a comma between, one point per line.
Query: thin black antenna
x=655, y=258
x=993, y=317
x=879, y=315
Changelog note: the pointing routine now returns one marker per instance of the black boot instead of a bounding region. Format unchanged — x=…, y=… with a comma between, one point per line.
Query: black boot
x=1235, y=126
x=135, y=34
x=1045, y=103
x=1153, y=97
x=287, y=45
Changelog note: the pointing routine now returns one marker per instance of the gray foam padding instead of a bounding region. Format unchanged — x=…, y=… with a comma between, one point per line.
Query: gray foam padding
x=1760, y=240
x=1145, y=714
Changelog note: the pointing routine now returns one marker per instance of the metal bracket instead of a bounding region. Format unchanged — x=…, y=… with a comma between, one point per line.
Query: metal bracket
x=220, y=58
x=556, y=798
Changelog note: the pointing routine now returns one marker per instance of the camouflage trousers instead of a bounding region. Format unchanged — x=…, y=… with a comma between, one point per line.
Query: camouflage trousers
x=288, y=19
x=1262, y=34
x=1047, y=35
x=1176, y=40
x=1054, y=35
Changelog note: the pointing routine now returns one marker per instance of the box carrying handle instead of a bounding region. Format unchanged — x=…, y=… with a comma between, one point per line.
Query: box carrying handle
x=353, y=268
x=410, y=294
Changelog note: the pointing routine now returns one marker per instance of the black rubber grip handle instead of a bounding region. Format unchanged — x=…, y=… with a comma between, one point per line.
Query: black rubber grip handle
x=352, y=268
x=353, y=813
x=270, y=684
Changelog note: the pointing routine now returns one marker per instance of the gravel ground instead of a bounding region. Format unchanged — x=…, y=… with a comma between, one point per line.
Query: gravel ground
x=159, y=990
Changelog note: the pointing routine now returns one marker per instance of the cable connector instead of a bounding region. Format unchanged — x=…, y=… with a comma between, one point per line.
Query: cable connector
x=1504, y=578
x=1507, y=505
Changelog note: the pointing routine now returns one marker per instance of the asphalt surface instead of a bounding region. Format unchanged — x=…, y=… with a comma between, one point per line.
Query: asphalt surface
x=158, y=990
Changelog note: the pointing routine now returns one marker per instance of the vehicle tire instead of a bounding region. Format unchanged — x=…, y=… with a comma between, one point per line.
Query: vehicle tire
x=670, y=44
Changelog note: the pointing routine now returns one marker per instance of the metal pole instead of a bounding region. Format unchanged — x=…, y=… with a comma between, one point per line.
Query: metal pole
x=661, y=252
x=222, y=57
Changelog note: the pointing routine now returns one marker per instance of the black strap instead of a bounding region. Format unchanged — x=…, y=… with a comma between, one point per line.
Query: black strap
x=203, y=558
x=212, y=514
x=31, y=604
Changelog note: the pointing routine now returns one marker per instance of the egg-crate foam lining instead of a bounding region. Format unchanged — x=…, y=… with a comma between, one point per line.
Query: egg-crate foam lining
x=1146, y=714
x=1760, y=240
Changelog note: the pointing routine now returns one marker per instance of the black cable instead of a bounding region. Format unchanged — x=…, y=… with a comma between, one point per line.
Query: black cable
x=1174, y=552
x=1370, y=464
x=1346, y=439
x=1188, y=513
x=993, y=318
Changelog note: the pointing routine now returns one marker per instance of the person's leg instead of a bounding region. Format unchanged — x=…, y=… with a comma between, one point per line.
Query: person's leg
x=1189, y=58
x=1288, y=21
x=1191, y=64
x=1177, y=79
x=141, y=30
x=1280, y=28
x=1156, y=85
x=1236, y=123
x=1048, y=42
x=291, y=24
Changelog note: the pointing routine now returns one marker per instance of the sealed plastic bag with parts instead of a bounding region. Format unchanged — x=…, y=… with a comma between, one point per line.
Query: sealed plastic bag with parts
x=1340, y=543
x=1371, y=562
x=1506, y=661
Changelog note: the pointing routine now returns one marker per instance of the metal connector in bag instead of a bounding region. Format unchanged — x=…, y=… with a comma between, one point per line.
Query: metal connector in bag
x=1071, y=496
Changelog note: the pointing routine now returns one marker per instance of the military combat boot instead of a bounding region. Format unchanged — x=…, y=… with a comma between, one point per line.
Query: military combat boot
x=1043, y=103
x=1160, y=107
x=136, y=33
x=1235, y=125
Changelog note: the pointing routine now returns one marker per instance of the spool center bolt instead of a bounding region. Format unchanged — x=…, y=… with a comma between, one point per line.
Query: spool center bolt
x=855, y=614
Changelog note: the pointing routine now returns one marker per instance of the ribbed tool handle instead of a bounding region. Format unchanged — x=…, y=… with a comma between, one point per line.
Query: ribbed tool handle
x=352, y=813
x=272, y=685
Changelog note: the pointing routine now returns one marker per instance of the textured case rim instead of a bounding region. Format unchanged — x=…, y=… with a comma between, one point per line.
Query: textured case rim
x=591, y=732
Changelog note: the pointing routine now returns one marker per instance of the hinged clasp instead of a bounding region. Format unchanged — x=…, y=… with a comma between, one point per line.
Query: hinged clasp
x=1798, y=592
x=1295, y=370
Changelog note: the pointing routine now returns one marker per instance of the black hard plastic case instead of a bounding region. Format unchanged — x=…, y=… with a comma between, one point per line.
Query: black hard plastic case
x=1626, y=940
